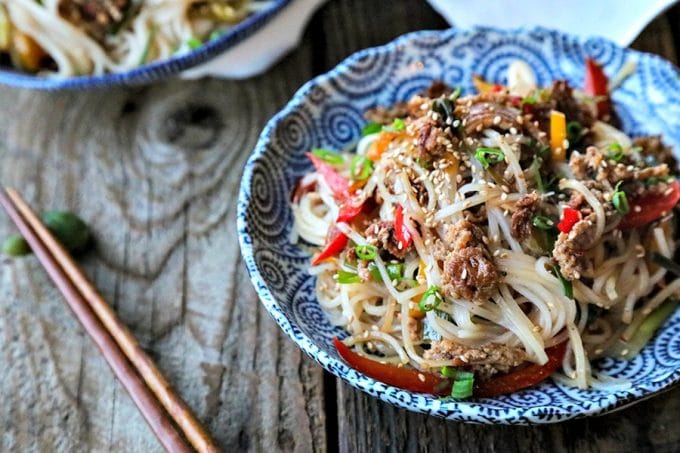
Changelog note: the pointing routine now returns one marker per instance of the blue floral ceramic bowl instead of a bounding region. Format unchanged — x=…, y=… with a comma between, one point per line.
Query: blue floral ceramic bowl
x=153, y=71
x=327, y=112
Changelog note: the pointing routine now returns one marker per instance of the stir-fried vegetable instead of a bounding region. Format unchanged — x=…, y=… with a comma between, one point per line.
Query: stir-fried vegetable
x=650, y=207
x=596, y=85
x=569, y=218
x=338, y=185
x=328, y=156
x=629, y=349
x=566, y=284
x=615, y=152
x=344, y=277
x=619, y=200
x=522, y=378
x=366, y=252
x=542, y=222
x=395, y=271
x=489, y=156
x=667, y=263
x=402, y=233
x=361, y=168
x=336, y=244
x=431, y=299
x=558, y=135
x=403, y=378
x=371, y=128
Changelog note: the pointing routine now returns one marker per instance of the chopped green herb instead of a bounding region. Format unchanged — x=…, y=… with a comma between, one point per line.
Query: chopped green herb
x=489, y=156
x=535, y=170
x=528, y=100
x=371, y=128
x=344, y=277
x=366, y=252
x=395, y=271
x=398, y=124
x=456, y=94
x=194, y=43
x=431, y=299
x=667, y=263
x=620, y=201
x=542, y=222
x=448, y=372
x=443, y=107
x=328, y=156
x=574, y=132
x=361, y=168
x=566, y=284
x=615, y=152
x=462, y=389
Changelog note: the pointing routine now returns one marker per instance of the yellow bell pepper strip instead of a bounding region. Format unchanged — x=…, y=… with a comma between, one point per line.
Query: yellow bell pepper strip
x=485, y=87
x=558, y=134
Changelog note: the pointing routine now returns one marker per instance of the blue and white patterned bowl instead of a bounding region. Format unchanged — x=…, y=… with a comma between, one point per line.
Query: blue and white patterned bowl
x=327, y=112
x=153, y=71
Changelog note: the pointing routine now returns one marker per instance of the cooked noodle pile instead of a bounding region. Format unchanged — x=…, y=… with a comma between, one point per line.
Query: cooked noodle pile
x=76, y=37
x=488, y=242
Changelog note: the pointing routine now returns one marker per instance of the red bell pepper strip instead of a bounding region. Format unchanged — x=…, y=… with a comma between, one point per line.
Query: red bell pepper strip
x=597, y=84
x=650, y=207
x=337, y=241
x=569, y=218
x=403, y=378
x=338, y=185
x=402, y=233
x=349, y=210
x=523, y=378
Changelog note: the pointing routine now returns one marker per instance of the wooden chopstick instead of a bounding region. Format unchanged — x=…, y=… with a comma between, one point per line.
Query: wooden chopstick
x=110, y=334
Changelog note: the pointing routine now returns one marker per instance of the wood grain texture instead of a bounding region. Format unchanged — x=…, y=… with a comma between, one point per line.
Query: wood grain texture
x=155, y=172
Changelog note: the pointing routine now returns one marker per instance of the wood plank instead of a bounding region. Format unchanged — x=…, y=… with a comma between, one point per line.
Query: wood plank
x=366, y=424
x=155, y=172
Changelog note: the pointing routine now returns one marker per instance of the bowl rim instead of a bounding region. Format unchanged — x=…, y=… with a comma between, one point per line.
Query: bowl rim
x=510, y=415
x=152, y=71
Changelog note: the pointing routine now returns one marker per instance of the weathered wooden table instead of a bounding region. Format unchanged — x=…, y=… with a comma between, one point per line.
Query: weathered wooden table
x=155, y=171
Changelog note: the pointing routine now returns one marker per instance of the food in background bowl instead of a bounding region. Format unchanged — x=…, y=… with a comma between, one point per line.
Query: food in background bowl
x=65, y=38
x=477, y=245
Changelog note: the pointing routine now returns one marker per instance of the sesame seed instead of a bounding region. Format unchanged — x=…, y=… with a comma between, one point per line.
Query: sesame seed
x=497, y=120
x=637, y=208
x=421, y=377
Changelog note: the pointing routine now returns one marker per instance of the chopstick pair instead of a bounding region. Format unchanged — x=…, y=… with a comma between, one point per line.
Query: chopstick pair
x=153, y=395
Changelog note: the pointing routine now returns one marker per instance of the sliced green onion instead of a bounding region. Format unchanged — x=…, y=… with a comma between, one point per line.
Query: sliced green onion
x=328, y=156
x=431, y=299
x=535, y=169
x=456, y=94
x=489, y=156
x=566, y=284
x=443, y=107
x=666, y=263
x=528, y=100
x=398, y=124
x=395, y=271
x=194, y=43
x=463, y=384
x=542, y=222
x=371, y=128
x=629, y=349
x=366, y=252
x=574, y=132
x=543, y=152
x=615, y=152
x=361, y=168
x=620, y=201
x=448, y=372
x=345, y=277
